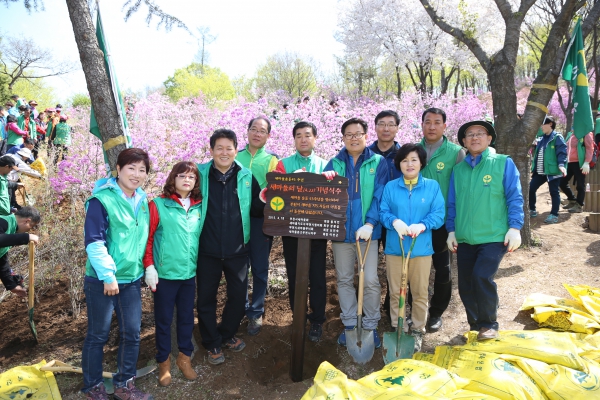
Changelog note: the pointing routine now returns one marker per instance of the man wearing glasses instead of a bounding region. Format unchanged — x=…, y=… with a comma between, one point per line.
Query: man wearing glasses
x=386, y=127
x=367, y=174
x=260, y=162
x=442, y=156
x=484, y=218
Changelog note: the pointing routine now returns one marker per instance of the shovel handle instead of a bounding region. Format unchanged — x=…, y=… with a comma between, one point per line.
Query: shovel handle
x=59, y=366
x=31, y=273
x=361, y=274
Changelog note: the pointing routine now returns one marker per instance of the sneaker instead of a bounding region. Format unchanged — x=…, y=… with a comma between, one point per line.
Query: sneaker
x=315, y=332
x=551, y=219
x=533, y=213
x=342, y=338
x=418, y=335
x=254, y=326
x=376, y=339
x=98, y=392
x=234, y=344
x=434, y=324
x=569, y=204
x=576, y=208
x=130, y=392
x=215, y=356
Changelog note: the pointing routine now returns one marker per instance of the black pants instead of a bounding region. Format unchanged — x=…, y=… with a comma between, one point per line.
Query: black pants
x=442, y=286
x=316, y=275
x=209, y=272
x=574, y=171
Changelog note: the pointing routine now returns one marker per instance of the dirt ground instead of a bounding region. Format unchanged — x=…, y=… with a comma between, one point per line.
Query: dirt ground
x=566, y=253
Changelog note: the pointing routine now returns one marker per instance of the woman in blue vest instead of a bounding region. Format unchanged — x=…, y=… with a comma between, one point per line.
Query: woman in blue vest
x=116, y=232
x=170, y=259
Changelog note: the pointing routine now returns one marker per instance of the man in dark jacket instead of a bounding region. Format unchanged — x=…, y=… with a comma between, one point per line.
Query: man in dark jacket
x=230, y=196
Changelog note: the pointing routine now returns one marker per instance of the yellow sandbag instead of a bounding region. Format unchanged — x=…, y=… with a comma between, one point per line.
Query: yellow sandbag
x=591, y=356
x=39, y=166
x=28, y=382
x=403, y=394
x=581, y=290
x=545, y=300
x=442, y=356
x=470, y=395
x=419, y=377
x=558, y=382
x=547, y=346
x=423, y=357
x=490, y=374
x=332, y=384
x=562, y=319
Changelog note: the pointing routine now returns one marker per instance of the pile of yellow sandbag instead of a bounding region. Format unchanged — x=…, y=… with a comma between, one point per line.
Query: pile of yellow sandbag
x=518, y=365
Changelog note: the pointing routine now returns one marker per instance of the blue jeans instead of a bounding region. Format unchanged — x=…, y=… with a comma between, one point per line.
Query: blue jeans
x=128, y=307
x=477, y=267
x=534, y=185
x=170, y=293
x=260, y=249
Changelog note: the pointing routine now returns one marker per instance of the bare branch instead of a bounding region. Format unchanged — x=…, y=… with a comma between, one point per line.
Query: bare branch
x=35, y=5
x=164, y=19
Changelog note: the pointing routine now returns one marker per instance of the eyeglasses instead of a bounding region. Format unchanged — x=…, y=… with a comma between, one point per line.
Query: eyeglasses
x=477, y=135
x=384, y=125
x=188, y=177
x=262, y=132
x=350, y=136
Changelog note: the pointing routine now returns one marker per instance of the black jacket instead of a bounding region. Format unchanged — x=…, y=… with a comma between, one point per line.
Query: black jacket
x=7, y=240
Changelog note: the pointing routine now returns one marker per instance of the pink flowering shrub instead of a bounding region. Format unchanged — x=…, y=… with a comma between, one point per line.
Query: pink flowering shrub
x=175, y=132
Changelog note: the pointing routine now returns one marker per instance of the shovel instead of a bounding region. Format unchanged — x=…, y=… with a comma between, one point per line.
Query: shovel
x=59, y=366
x=397, y=345
x=360, y=343
x=31, y=289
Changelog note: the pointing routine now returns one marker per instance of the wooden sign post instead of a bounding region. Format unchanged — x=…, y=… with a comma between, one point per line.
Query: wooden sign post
x=306, y=206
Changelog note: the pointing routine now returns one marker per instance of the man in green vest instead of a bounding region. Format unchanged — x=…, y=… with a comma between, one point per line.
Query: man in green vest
x=484, y=218
x=13, y=232
x=305, y=160
x=260, y=161
x=26, y=122
x=442, y=156
x=230, y=198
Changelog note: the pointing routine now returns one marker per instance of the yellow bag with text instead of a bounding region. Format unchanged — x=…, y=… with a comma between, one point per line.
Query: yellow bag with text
x=558, y=382
x=588, y=296
x=28, y=382
x=545, y=300
x=563, y=319
x=332, y=384
x=423, y=357
x=470, y=395
x=491, y=375
x=547, y=346
x=420, y=377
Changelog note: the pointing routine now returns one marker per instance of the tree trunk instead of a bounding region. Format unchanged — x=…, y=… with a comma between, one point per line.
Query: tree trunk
x=399, y=82
x=98, y=84
x=457, y=83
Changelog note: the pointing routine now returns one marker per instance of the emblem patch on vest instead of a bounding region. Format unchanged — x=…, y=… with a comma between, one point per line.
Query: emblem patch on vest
x=372, y=171
x=486, y=180
x=440, y=166
x=247, y=184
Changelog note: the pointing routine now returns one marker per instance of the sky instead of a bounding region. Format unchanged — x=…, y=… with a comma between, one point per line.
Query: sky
x=247, y=33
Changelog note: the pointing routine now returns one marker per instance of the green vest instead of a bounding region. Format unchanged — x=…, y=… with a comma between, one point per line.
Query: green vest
x=21, y=125
x=439, y=167
x=12, y=228
x=312, y=163
x=481, y=210
x=244, y=192
x=126, y=237
x=63, y=134
x=260, y=163
x=176, y=239
x=550, y=159
x=368, y=173
x=4, y=197
x=580, y=148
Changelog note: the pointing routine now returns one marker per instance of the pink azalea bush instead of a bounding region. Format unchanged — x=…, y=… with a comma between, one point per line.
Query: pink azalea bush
x=175, y=132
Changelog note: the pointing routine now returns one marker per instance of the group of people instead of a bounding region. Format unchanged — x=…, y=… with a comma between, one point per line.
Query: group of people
x=21, y=122
x=208, y=221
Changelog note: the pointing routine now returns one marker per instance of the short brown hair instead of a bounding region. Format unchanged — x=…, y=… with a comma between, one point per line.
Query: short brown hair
x=181, y=168
x=132, y=156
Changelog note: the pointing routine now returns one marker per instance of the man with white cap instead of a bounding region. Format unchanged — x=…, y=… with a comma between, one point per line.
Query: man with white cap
x=484, y=219
x=13, y=176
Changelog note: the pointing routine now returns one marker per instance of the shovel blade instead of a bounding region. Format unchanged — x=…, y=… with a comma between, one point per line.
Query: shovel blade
x=362, y=347
x=108, y=382
x=394, y=349
x=32, y=325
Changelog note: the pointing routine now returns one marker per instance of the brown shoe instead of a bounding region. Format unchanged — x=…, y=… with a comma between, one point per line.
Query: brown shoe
x=164, y=372
x=185, y=365
x=487, y=334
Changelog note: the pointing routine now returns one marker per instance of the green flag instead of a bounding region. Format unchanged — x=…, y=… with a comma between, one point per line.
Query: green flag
x=118, y=98
x=574, y=71
x=597, y=122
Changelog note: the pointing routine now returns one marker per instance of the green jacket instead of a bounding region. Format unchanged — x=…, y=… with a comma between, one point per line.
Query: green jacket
x=12, y=228
x=127, y=234
x=555, y=154
x=312, y=163
x=481, y=209
x=244, y=192
x=176, y=239
x=4, y=197
x=31, y=128
x=260, y=163
x=63, y=134
x=439, y=167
